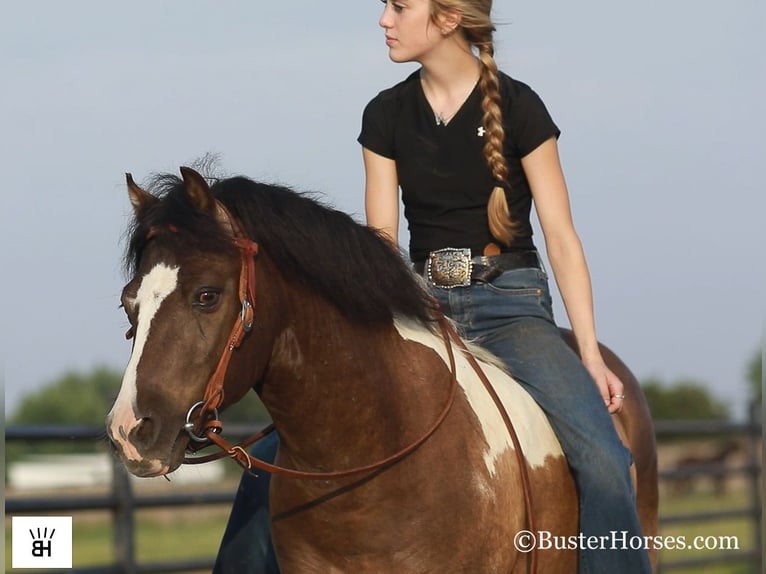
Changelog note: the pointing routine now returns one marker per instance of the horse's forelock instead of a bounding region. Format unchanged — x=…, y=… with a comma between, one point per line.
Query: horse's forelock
x=173, y=214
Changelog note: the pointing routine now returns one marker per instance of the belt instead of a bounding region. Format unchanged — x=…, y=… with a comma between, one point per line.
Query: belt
x=454, y=267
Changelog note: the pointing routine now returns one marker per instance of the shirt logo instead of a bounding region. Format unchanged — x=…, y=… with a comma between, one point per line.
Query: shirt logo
x=481, y=131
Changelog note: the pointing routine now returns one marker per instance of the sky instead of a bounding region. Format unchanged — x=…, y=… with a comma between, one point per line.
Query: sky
x=661, y=106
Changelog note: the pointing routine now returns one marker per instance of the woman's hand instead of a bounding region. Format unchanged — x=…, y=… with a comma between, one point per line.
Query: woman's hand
x=609, y=385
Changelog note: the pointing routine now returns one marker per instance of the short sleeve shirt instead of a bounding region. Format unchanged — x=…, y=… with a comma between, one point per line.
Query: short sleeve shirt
x=444, y=178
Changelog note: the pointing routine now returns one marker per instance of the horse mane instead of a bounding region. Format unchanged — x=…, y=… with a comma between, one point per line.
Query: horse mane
x=350, y=265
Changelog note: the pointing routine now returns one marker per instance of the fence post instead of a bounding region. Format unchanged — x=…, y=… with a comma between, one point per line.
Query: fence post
x=123, y=520
x=755, y=476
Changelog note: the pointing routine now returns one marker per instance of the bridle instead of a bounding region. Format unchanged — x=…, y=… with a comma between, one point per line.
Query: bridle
x=213, y=397
x=210, y=425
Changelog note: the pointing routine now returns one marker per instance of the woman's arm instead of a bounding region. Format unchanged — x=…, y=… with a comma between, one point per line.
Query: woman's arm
x=381, y=194
x=565, y=253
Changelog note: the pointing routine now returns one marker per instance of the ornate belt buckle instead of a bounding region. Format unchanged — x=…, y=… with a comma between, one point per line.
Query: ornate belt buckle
x=450, y=267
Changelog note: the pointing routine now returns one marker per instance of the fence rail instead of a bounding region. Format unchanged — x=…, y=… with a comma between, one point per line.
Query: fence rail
x=122, y=502
x=751, y=430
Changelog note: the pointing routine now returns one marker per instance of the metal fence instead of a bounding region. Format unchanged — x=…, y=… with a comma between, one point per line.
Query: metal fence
x=122, y=502
x=751, y=432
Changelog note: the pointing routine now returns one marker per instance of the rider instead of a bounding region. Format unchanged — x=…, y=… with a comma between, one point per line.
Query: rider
x=472, y=149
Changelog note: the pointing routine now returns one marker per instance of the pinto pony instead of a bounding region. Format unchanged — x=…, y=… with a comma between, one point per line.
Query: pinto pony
x=243, y=286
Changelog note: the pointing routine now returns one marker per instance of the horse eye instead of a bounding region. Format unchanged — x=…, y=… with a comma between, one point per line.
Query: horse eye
x=207, y=298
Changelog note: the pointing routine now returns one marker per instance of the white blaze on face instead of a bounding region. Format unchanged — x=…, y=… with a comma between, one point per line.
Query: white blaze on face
x=155, y=287
x=532, y=427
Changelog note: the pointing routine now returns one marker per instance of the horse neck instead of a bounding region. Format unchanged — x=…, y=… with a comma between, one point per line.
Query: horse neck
x=339, y=391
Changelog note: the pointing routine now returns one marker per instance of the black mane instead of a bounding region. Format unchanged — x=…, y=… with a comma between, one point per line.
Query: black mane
x=347, y=263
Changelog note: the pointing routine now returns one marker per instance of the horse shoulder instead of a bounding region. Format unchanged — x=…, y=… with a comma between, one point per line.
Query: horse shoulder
x=536, y=437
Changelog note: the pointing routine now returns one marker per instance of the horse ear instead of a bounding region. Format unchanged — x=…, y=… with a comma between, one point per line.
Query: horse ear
x=199, y=195
x=197, y=190
x=139, y=199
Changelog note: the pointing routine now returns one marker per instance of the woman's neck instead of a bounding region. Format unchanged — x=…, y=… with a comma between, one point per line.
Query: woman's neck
x=447, y=76
x=448, y=81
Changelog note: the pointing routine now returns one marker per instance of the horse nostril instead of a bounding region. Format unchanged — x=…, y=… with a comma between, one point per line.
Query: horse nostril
x=145, y=432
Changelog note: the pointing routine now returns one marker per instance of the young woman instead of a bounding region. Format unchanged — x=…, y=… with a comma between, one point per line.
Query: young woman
x=472, y=149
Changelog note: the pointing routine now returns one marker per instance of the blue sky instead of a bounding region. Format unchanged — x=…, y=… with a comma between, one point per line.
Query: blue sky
x=661, y=105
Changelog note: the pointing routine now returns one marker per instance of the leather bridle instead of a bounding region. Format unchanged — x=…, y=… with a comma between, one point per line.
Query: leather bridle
x=210, y=426
x=214, y=394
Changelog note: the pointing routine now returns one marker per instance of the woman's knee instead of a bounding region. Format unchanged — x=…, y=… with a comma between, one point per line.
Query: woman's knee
x=604, y=465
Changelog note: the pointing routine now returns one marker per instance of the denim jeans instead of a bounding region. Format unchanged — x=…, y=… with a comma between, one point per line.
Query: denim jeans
x=246, y=545
x=512, y=317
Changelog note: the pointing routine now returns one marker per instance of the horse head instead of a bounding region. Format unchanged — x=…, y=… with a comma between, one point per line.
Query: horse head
x=184, y=296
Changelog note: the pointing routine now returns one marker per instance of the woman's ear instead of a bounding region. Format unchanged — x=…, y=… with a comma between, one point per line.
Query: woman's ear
x=448, y=21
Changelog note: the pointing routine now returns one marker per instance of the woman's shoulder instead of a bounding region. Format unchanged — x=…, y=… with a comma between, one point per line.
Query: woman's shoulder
x=382, y=114
x=528, y=121
x=398, y=92
x=519, y=98
x=513, y=88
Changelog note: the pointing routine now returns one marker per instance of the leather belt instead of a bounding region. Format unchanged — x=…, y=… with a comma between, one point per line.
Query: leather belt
x=454, y=267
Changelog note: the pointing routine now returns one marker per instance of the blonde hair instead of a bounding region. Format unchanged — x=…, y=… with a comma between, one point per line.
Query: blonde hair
x=477, y=27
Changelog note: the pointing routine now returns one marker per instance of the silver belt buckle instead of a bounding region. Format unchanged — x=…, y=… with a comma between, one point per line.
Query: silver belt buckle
x=449, y=267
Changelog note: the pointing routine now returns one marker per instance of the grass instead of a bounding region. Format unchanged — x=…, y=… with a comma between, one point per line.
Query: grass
x=697, y=502
x=161, y=535
x=168, y=534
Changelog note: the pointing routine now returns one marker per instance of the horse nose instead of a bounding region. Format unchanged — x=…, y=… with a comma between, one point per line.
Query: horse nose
x=110, y=429
x=144, y=434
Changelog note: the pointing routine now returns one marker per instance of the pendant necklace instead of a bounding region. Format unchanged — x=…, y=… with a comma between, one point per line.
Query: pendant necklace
x=441, y=119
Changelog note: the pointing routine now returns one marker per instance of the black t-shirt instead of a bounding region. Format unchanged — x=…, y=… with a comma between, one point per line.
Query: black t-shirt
x=444, y=178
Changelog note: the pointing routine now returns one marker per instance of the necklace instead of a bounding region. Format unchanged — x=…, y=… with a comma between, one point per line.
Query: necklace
x=441, y=119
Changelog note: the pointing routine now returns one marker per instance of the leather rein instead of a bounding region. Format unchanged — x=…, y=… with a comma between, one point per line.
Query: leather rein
x=211, y=426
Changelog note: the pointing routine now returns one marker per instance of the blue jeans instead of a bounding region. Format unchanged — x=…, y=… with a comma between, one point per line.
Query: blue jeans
x=512, y=317
x=246, y=545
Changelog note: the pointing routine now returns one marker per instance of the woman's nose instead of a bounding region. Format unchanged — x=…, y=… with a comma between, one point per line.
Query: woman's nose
x=385, y=18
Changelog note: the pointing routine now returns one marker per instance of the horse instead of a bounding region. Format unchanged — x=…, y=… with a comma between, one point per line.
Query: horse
x=712, y=463
x=394, y=454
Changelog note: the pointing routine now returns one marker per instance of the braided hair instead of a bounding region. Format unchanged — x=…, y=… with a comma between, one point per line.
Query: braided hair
x=477, y=27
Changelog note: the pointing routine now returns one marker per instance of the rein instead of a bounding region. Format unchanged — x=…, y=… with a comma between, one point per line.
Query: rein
x=247, y=461
x=211, y=425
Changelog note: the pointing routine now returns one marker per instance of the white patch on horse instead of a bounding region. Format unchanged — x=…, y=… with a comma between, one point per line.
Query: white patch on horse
x=155, y=287
x=532, y=427
x=287, y=350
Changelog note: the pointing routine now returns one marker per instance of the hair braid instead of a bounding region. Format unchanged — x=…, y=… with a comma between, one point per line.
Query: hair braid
x=476, y=24
x=498, y=214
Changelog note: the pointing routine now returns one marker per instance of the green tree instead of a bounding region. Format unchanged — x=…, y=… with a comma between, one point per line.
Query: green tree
x=755, y=376
x=77, y=398
x=73, y=398
x=85, y=399
x=685, y=399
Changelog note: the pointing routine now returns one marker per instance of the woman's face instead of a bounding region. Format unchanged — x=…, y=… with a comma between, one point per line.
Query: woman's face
x=410, y=32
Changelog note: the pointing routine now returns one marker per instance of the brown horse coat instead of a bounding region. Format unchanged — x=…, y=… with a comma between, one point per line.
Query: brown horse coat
x=350, y=371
